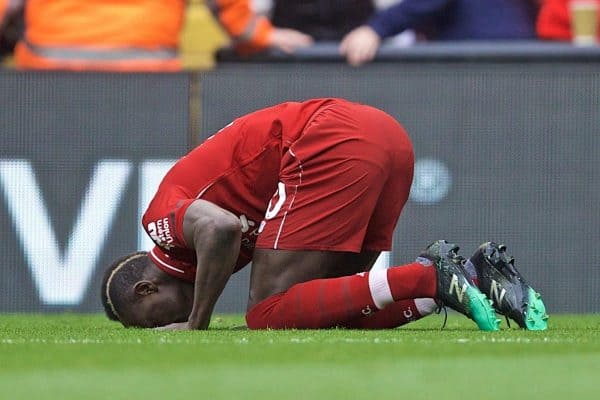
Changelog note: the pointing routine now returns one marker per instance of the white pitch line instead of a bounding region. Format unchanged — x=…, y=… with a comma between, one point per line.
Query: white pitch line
x=295, y=340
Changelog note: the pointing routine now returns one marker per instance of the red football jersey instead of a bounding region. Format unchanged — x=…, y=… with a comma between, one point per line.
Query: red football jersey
x=237, y=169
x=325, y=174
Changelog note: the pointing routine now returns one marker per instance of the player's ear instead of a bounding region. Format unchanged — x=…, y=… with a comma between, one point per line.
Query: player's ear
x=144, y=288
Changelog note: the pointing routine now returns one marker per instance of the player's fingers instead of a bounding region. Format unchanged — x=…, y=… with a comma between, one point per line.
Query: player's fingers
x=161, y=328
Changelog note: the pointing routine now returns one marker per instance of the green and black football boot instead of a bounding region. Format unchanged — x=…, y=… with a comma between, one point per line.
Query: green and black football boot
x=512, y=296
x=455, y=289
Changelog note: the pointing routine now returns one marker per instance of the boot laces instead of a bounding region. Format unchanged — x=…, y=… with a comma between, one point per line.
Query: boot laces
x=441, y=306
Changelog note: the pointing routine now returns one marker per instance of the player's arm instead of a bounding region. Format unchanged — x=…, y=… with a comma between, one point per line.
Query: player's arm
x=215, y=235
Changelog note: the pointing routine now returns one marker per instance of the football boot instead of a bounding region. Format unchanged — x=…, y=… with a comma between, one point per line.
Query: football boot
x=455, y=289
x=511, y=295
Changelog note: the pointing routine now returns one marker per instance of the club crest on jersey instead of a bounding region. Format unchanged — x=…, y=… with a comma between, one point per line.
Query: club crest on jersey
x=160, y=232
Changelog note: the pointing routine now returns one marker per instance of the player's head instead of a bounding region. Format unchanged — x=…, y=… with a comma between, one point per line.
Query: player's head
x=137, y=293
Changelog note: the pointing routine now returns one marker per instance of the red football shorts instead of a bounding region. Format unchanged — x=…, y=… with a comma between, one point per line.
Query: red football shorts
x=343, y=183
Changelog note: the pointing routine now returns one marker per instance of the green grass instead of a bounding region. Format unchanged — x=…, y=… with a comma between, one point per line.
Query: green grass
x=65, y=356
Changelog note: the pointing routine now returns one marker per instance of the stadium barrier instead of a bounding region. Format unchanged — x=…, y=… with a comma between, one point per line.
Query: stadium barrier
x=507, y=145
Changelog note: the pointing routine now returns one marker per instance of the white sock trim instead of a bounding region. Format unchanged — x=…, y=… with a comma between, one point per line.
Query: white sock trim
x=425, y=306
x=380, y=288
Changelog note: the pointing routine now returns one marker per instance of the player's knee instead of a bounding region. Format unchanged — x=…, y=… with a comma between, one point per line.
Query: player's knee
x=266, y=314
x=254, y=319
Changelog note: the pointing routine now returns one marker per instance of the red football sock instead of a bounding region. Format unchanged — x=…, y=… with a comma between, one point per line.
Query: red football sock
x=394, y=315
x=326, y=303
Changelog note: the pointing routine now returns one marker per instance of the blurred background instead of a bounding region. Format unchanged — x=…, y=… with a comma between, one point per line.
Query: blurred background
x=99, y=98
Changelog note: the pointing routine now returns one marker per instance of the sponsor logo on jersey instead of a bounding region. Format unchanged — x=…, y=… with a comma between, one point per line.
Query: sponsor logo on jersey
x=160, y=232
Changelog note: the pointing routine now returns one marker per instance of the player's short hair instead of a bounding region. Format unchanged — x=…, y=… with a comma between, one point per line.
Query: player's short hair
x=117, y=285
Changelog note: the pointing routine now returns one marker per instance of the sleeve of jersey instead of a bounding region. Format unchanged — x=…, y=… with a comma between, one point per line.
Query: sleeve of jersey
x=250, y=32
x=174, y=266
x=183, y=266
x=163, y=222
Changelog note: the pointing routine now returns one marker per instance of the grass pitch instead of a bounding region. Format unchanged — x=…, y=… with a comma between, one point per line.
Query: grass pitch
x=65, y=356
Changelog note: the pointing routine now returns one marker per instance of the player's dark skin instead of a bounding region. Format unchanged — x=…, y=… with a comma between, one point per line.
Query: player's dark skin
x=215, y=234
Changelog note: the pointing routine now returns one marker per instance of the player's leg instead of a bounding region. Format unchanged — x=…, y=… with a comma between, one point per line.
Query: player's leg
x=332, y=179
x=324, y=303
x=386, y=212
x=275, y=271
x=309, y=291
x=396, y=314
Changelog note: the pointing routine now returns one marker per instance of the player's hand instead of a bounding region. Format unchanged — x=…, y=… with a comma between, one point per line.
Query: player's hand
x=360, y=45
x=289, y=40
x=177, y=326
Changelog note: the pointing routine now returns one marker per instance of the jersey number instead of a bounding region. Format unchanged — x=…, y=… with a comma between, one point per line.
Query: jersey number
x=272, y=212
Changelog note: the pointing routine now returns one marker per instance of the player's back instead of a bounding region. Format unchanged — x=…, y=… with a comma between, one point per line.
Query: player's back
x=238, y=167
x=250, y=147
